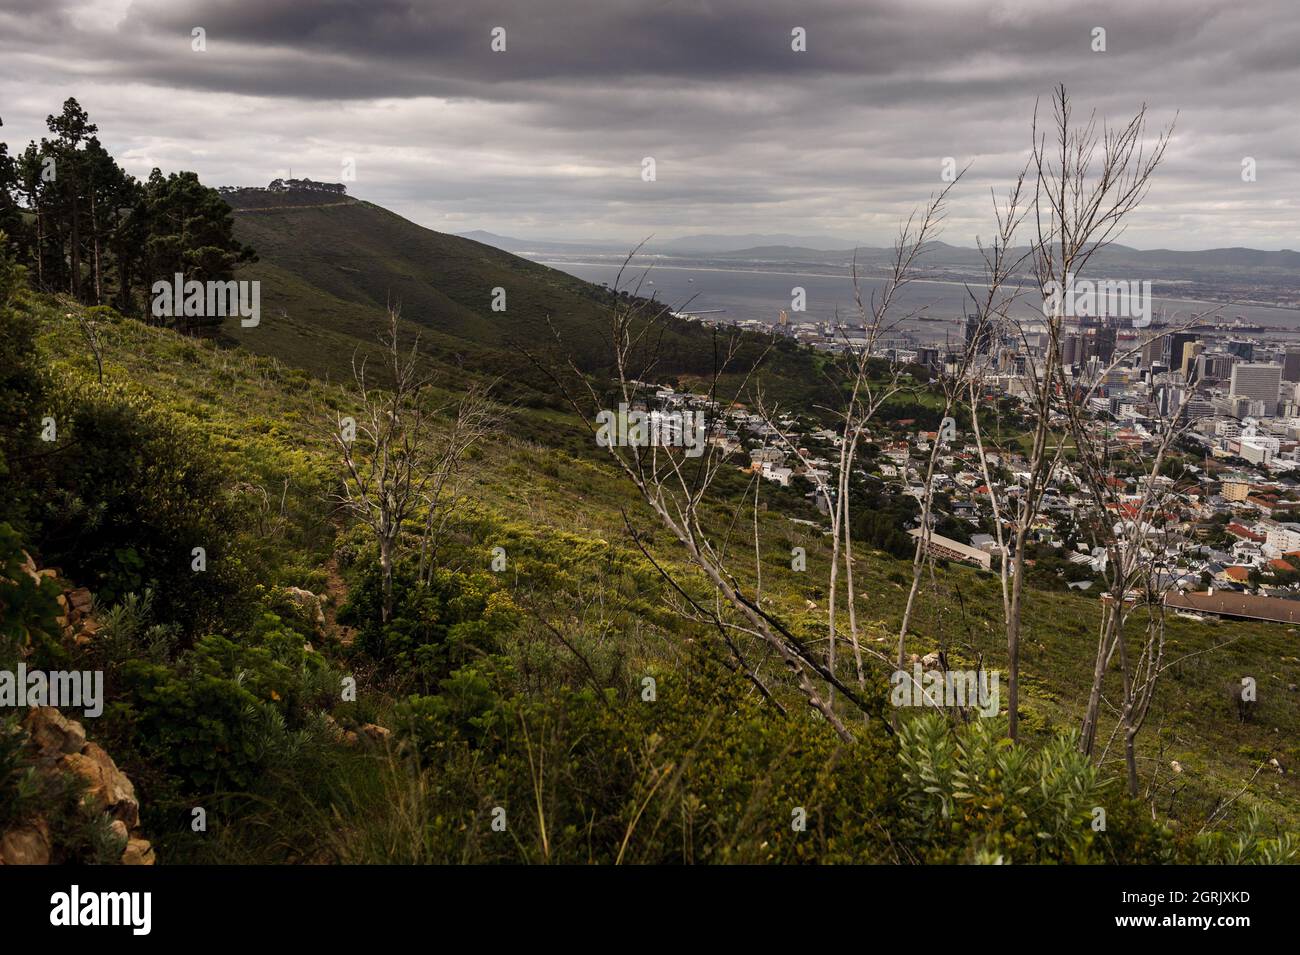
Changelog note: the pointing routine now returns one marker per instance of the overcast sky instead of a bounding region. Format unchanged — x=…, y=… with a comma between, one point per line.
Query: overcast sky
x=547, y=138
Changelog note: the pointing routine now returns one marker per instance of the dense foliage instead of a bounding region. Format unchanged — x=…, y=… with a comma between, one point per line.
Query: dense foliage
x=84, y=226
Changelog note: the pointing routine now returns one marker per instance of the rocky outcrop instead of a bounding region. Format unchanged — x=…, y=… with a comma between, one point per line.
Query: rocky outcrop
x=372, y=733
x=58, y=745
x=28, y=844
x=107, y=789
x=75, y=604
x=310, y=604
x=369, y=734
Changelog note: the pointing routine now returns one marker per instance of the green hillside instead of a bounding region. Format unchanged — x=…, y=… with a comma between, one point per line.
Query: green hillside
x=525, y=640
x=330, y=266
x=549, y=658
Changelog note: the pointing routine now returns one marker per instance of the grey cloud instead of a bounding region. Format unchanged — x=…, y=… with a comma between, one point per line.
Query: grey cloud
x=547, y=138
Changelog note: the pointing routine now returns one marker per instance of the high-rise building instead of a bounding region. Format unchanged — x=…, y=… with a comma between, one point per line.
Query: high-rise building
x=1214, y=366
x=1177, y=342
x=1291, y=364
x=1188, y=366
x=1153, y=352
x=1103, y=343
x=1243, y=350
x=1070, y=350
x=982, y=337
x=1258, y=382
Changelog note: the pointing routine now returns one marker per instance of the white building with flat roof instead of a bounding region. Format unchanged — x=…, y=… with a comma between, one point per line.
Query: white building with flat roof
x=1258, y=381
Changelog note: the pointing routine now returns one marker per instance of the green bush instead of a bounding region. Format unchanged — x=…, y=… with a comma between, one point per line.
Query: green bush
x=972, y=796
x=126, y=496
x=27, y=609
x=435, y=627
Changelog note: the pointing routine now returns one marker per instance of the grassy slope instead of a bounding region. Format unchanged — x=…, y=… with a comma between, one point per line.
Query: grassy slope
x=329, y=268
x=540, y=501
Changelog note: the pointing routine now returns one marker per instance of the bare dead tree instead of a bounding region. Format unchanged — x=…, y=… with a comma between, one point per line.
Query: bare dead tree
x=90, y=332
x=385, y=447
x=872, y=380
x=675, y=486
x=961, y=384
x=1130, y=528
x=474, y=418
x=1079, y=207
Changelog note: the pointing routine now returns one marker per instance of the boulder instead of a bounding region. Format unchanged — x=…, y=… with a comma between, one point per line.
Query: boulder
x=29, y=568
x=309, y=602
x=138, y=852
x=930, y=659
x=80, y=600
x=108, y=789
x=26, y=845
x=375, y=734
x=53, y=733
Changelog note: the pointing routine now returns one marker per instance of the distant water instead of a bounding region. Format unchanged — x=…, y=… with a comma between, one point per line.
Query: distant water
x=762, y=295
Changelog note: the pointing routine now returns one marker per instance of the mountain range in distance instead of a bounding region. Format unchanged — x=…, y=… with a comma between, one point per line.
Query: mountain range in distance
x=827, y=250
x=1232, y=276
x=690, y=244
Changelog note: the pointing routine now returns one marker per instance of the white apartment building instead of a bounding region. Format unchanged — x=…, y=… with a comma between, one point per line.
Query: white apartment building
x=1259, y=449
x=1258, y=381
x=1281, y=539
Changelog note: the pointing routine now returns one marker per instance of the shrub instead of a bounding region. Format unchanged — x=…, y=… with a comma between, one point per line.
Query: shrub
x=435, y=627
x=28, y=609
x=129, y=494
x=972, y=796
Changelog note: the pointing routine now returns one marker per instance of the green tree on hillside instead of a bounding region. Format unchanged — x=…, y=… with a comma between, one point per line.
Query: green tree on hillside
x=96, y=232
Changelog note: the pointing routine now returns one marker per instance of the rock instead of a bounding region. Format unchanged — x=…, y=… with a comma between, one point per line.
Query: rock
x=29, y=568
x=138, y=852
x=808, y=604
x=53, y=733
x=930, y=659
x=118, y=828
x=1276, y=765
x=375, y=734
x=26, y=845
x=309, y=602
x=1176, y=766
x=109, y=790
x=80, y=600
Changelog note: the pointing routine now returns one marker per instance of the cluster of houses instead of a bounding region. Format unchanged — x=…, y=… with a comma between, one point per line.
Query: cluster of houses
x=1220, y=535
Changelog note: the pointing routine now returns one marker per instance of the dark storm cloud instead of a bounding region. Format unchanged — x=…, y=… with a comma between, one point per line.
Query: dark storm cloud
x=547, y=138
